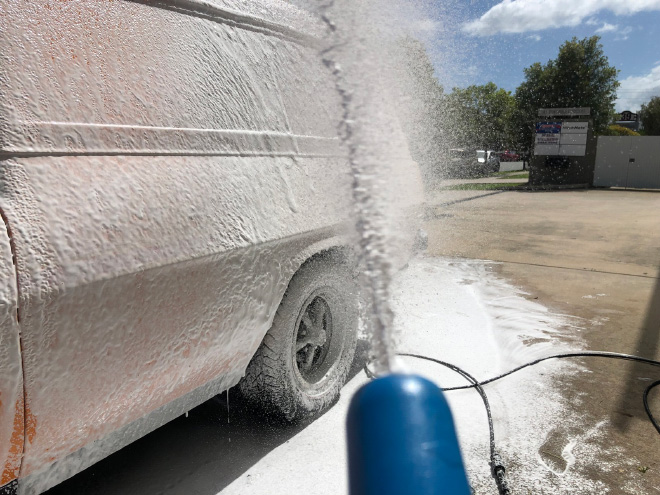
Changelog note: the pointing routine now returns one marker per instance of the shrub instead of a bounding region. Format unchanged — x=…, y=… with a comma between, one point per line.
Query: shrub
x=619, y=130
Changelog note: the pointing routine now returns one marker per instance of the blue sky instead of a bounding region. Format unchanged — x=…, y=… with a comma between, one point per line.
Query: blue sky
x=476, y=41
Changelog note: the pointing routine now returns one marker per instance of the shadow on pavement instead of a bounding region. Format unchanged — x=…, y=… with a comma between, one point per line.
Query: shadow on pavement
x=647, y=347
x=198, y=455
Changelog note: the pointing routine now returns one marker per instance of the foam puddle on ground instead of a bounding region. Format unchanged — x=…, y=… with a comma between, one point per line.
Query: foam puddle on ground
x=461, y=312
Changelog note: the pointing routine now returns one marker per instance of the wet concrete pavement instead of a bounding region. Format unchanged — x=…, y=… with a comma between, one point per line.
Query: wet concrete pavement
x=594, y=254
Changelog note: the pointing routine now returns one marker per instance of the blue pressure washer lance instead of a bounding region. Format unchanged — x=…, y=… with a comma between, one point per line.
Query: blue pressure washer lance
x=401, y=436
x=402, y=440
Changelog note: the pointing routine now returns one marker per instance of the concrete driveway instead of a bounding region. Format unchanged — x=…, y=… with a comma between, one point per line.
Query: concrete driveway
x=593, y=254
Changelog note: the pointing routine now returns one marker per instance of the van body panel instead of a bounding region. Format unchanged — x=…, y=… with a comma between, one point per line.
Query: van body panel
x=127, y=77
x=161, y=200
x=165, y=168
x=11, y=375
x=128, y=429
x=144, y=278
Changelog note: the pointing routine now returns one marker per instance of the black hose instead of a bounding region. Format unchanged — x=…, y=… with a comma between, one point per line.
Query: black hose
x=496, y=464
x=609, y=355
x=646, y=404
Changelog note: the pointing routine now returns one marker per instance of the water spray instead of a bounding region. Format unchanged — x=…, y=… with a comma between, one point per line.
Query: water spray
x=401, y=434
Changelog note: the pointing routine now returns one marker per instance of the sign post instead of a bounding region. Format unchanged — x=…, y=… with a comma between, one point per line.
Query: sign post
x=564, y=148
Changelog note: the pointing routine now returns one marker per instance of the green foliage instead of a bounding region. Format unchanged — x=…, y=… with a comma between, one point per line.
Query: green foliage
x=479, y=117
x=619, y=130
x=580, y=76
x=650, y=117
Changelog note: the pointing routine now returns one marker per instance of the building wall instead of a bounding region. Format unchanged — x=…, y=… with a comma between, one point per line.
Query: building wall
x=628, y=161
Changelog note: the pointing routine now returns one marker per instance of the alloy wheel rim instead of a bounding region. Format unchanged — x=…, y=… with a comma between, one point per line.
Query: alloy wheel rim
x=314, y=338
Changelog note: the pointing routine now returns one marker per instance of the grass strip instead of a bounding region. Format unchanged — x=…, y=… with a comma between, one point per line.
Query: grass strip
x=524, y=175
x=482, y=186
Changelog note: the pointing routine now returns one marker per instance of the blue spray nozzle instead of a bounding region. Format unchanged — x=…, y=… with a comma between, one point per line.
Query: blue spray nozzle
x=402, y=439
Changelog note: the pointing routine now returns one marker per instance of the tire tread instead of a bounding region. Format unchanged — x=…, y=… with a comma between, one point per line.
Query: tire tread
x=267, y=382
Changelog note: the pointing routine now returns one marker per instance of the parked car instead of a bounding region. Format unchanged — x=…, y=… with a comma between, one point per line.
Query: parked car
x=489, y=160
x=510, y=156
x=177, y=213
x=462, y=162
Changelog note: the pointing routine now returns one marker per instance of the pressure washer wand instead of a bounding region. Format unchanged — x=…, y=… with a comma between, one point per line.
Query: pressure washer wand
x=402, y=439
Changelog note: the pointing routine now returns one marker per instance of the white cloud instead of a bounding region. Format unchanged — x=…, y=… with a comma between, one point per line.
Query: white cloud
x=520, y=16
x=636, y=90
x=534, y=37
x=623, y=34
x=607, y=28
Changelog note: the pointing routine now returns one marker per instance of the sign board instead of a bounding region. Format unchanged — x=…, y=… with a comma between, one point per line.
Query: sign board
x=572, y=150
x=564, y=112
x=574, y=138
x=548, y=127
x=547, y=138
x=546, y=149
x=574, y=127
x=561, y=138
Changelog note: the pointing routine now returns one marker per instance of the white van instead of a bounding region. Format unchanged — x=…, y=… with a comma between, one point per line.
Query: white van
x=176, y=204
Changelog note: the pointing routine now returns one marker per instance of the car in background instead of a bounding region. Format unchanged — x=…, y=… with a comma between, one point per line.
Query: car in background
x=465, y=162
x=489, y=159
x=510, y=156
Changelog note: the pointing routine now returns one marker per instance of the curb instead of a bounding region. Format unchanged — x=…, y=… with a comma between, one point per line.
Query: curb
x=550, y=187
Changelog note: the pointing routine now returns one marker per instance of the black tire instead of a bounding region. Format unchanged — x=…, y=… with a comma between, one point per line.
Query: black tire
x=320, y=312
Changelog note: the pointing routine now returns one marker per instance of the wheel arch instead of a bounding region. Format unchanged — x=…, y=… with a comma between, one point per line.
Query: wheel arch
x=338, y=248
x=340, y=254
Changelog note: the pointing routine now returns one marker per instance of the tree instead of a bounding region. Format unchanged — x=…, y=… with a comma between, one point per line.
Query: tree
x=479, y=117
x=650, y=117
x=580, y=76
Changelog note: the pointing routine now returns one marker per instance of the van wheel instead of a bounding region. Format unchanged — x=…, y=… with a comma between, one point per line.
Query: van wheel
x=306, y=355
